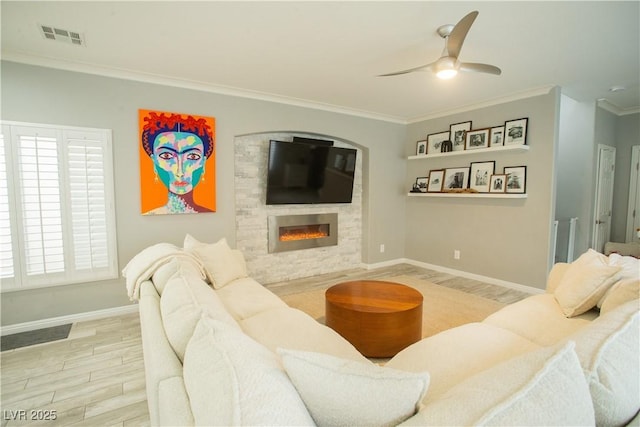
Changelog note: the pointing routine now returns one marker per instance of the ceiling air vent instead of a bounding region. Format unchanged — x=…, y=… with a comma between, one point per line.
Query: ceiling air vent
x=58, y=34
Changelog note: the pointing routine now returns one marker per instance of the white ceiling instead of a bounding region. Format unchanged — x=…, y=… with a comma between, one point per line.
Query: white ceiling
x=328, y=54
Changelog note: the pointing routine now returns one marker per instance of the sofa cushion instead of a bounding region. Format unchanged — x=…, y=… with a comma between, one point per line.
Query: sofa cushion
x=291, y=328
x=608, y=351
x=447, y=355
x=586, y=280
x=222, y=264
x=166, y=271
x=340, y=392
x=232, y=380
x=543, y=387
x=245, y=297
x=539, y=319
x=623, y=291
x=184, y=298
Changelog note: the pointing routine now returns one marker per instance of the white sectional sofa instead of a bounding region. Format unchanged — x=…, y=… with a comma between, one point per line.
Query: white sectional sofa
x=221, y=349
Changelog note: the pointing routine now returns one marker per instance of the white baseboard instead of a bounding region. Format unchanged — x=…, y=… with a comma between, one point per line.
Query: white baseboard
x=71, y=318
x=465, y=274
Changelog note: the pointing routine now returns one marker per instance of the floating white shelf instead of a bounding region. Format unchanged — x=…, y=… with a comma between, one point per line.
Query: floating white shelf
x=471, y=195
x=472, y=152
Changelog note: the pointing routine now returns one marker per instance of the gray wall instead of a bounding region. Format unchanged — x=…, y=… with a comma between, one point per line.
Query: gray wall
x=43, y=95
x=627, y=134
x=575, y=167
x=489, y=232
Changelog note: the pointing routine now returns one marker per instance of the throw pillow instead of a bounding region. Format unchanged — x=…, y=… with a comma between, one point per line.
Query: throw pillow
x=233, y=380
x=543, y=387
x=222, y=264
x=340, y=392
x=623, y=291
x=585, y=282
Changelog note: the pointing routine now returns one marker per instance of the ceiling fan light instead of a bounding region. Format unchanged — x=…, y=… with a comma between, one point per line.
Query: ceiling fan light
x=447, y=73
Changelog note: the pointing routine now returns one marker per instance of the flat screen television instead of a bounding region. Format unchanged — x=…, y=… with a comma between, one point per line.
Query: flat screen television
x=307, y=173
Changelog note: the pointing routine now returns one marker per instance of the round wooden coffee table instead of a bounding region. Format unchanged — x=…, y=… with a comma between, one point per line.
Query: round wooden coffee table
x=379, y=318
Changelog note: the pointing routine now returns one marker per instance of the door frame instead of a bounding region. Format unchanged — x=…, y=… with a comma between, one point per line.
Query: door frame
x=634, y=193
x=596, y=200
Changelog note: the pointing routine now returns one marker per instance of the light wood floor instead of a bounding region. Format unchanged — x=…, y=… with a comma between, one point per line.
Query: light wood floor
x=95, y=377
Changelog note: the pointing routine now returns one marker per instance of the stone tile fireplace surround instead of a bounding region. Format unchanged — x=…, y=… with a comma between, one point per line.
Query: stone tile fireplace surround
x=252, y=217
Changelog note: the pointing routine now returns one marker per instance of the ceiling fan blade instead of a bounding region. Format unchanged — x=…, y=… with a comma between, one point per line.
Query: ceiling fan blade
x=480, y=68
x=410, y=70
x=459, y=33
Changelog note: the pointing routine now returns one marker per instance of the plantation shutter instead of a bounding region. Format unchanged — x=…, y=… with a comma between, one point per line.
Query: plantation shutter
x=63, y=228
x=6, y=240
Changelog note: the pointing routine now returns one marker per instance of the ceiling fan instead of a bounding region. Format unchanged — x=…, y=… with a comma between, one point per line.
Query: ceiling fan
x=448, y=65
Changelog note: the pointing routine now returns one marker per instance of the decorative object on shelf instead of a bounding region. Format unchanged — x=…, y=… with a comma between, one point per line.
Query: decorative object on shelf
x=446, y=147
x=458, y=132
x=516, y=179
x=460, y=191
x=421, y=148
x=455, y=178
x=515, y=132
x=498, y=183
x=435, y=140
x=421, y=184
x=481, y=175
x=496, y=136
x=477, y=139
x=436, y=177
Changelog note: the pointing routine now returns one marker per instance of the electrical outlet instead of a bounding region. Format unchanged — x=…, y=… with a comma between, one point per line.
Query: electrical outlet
x=456, y=254
x=382, y=248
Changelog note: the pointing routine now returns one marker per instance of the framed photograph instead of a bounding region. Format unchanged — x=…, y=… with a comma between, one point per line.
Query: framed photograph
x=457, y=133
x=435, y=140
x=477, y=139
x=480, y=176
x=455, y=178
x=516, y=179
x=421, y=148
x=497, y=183
x=515, y=132
x=496, y=136
x=436, y=177
x=421, y=183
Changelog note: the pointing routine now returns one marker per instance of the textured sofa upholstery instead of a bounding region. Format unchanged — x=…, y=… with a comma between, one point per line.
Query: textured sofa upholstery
x=235, y=354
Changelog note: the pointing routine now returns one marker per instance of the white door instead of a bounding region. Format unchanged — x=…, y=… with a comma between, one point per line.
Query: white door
x=604, y=196
x=633, y=215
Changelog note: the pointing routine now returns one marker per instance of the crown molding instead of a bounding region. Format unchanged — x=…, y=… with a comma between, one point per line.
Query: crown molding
x=612, y=108
x=193, y=85
x=544, y=90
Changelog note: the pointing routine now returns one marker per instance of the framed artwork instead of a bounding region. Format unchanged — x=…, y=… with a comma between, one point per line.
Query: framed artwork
x=480, y=178
x=515, y=132
x=421, y=183
x=477, y=139
x=516, y=179
x=457, y=133
x=455, y=178
x=497, y=183
x=435, y=140
x=177, y=163
x=421, y=148
x=496, y=136
x=436, y=177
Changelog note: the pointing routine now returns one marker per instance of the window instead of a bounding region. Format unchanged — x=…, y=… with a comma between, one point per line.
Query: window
x=57, y=217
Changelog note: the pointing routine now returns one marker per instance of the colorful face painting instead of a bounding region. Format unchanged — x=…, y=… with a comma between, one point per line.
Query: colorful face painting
x=177, y=163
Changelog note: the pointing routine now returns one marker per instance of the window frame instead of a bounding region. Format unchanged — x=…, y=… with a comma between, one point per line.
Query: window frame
x=65, y=137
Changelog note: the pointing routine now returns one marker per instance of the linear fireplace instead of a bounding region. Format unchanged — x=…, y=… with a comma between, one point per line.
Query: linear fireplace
x=294, y=232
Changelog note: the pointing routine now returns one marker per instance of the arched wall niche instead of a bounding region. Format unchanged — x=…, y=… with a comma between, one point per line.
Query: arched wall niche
x=251, y=212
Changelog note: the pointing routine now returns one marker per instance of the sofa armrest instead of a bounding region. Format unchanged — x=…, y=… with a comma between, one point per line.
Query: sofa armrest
x=555, y=276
